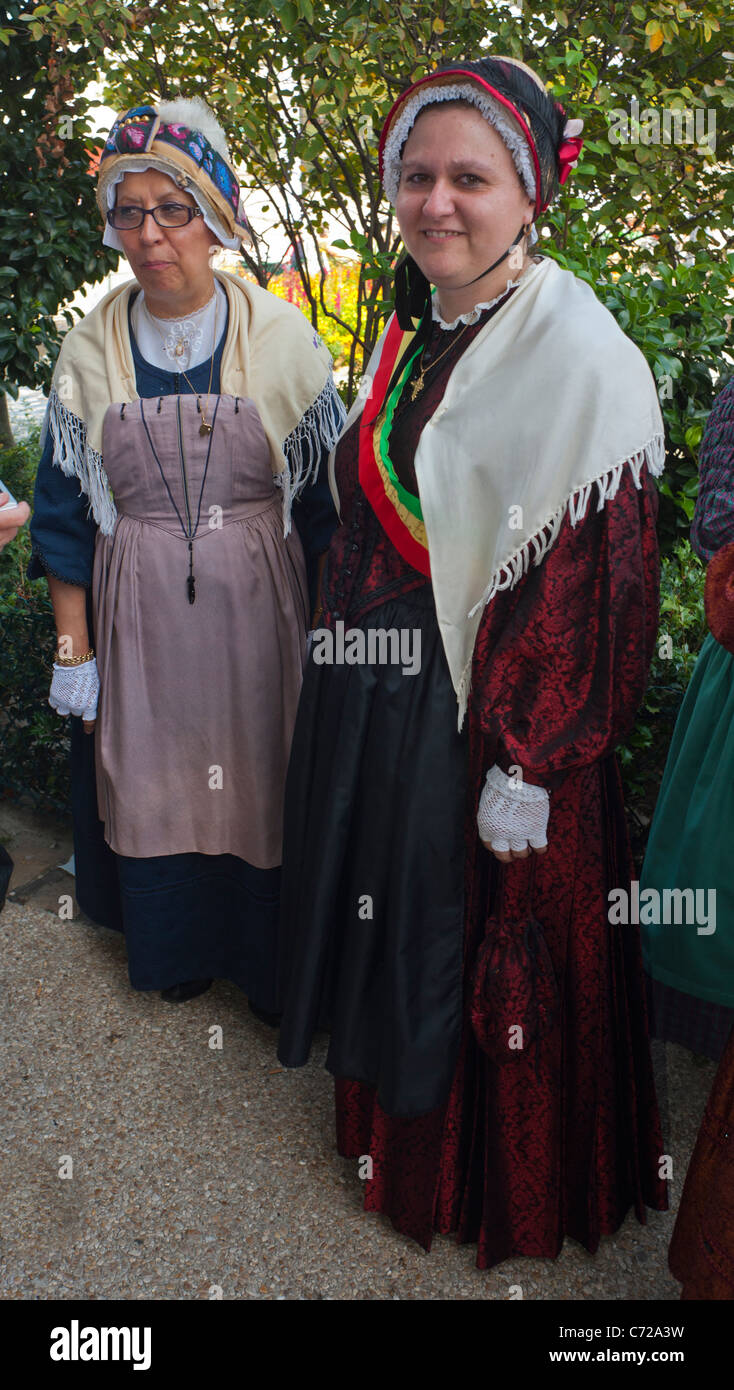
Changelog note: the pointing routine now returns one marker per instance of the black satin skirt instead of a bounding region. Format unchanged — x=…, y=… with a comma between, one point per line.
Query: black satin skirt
x=373, y=865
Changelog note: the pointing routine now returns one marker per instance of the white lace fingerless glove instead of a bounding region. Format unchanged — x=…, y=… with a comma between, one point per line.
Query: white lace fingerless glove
x=512, y=815
x=75, y=689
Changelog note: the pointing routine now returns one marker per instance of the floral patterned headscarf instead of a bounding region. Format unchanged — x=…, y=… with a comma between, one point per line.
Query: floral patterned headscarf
x=196, y=159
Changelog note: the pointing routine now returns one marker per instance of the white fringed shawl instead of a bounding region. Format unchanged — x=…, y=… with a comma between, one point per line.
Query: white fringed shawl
x=548, y=403
x=271, y=355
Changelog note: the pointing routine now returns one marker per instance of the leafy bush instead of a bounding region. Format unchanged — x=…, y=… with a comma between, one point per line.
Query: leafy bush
x=680, y=637
x=340, y=298
x=35, y=741
x=49, y=225
x=676, y=314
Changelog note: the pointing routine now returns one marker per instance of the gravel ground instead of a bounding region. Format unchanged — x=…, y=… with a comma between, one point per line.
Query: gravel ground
x=198, y=1170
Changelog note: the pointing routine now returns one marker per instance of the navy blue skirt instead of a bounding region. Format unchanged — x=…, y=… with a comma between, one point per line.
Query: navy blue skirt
x=185, y=916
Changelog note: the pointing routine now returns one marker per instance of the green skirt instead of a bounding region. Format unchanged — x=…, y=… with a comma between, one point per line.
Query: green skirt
x=688, y=938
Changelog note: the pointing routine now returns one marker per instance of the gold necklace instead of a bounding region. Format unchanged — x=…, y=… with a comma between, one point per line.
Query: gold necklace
x=417, y=386
x=204, y=427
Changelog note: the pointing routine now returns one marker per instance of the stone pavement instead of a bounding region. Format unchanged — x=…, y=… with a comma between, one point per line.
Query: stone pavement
x=27, y=411
x=195, y=1169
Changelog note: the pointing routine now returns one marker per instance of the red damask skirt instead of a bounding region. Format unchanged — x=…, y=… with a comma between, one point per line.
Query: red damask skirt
x=564, y=1139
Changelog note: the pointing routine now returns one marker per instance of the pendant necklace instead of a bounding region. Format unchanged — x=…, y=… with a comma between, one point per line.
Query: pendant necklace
x=417, y=386
x=187, y=527
x=204, y=427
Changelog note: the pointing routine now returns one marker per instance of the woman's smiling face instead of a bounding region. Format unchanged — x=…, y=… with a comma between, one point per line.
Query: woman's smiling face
x=460, y=203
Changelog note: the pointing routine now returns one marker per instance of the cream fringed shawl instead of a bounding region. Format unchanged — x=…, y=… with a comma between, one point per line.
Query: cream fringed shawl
x=271, y=355
x=545, y=409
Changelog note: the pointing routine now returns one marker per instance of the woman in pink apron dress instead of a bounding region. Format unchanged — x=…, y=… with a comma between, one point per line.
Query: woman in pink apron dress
x=181, y=507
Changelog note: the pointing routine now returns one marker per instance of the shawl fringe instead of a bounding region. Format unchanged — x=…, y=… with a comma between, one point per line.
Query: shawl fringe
x=535, y=549
x=319, y=428
x=76, y=459
x=512, y=571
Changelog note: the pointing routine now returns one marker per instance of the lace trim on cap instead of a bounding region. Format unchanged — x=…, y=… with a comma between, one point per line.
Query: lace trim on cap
x=134, y=165
x=492, y=110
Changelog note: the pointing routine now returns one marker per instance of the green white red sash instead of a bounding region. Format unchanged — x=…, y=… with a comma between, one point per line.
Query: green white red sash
x=398, y=510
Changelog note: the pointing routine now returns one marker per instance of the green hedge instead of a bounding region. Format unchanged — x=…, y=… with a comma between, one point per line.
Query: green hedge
x=35, y=740
x=683, y=621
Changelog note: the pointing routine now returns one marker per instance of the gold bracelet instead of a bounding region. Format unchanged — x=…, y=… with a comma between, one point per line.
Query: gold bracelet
x=74, y=660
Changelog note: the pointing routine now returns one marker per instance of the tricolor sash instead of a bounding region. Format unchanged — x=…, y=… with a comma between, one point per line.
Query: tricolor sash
x=397, y=509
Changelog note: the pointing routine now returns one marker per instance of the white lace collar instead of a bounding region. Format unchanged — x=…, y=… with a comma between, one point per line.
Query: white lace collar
x=194, y=317
x=474, y=314
x=182, y=343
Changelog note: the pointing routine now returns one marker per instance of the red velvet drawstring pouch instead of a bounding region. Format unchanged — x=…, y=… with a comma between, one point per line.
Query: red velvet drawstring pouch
x=515, y=999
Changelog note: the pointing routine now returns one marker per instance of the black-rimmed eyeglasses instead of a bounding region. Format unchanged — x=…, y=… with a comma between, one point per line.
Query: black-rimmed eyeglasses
x=129, y=217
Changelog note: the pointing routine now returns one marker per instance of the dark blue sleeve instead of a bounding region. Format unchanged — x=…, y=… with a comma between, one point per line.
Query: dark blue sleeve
x=315, y=519
x=314, y=513
x=62, y=535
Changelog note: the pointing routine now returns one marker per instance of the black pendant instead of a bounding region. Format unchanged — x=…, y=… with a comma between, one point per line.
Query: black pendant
x=191, y=588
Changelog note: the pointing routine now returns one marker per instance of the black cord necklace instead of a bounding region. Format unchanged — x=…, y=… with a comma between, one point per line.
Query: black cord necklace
x=187, y=528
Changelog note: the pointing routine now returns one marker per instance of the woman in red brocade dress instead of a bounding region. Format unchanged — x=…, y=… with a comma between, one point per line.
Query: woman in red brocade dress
x=498, y=517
